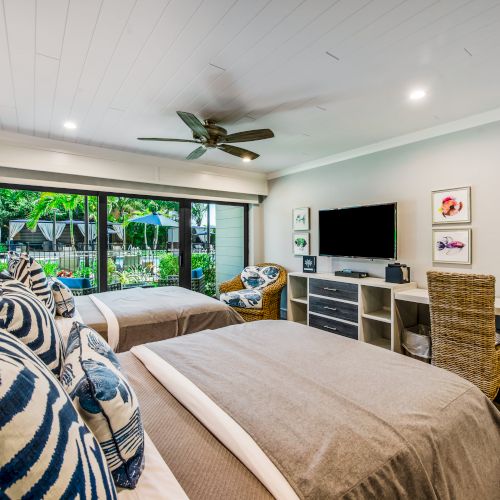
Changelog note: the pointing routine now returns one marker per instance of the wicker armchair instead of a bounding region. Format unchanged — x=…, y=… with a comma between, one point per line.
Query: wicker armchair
x=463, y=327
x=271, y=296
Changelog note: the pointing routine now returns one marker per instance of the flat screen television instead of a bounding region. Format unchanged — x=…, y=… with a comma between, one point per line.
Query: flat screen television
x=366, y=232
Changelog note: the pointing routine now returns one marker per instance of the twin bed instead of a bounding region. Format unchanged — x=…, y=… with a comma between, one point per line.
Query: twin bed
x=276, y=409
x=135, y=316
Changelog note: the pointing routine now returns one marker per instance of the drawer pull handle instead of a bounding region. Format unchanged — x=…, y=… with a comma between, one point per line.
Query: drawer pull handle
x=330, y=308
x=330, y=328
x=330, y=289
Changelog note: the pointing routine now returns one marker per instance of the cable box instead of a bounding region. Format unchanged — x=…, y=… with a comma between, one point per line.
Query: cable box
x=347, y=273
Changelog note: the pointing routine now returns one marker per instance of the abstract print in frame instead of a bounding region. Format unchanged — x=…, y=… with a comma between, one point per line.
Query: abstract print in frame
x=451, y=206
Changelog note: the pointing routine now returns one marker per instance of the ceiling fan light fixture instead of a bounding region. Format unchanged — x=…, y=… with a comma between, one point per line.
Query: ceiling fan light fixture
x=246, y=159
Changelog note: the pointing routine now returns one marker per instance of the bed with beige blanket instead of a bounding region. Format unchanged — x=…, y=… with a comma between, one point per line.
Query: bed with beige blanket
x=274, y=408
x=138, y=315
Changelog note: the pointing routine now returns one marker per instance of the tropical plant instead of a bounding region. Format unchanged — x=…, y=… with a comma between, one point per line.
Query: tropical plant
x=207, y=262
x=4, y=266
x=52, y=203
x=50, y=268
x=121, y=209
x=198, y=212
x=168, y=266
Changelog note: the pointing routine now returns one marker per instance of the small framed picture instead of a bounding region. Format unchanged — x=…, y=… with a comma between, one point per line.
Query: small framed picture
x=451, y=206
x=309, y=264
x=301, y=244
x=452, y=247
x=301, y=219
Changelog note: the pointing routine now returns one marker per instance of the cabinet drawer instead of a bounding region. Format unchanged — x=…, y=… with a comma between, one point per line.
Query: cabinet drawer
x=334, y=289
x=334, y=308
x=330, y=325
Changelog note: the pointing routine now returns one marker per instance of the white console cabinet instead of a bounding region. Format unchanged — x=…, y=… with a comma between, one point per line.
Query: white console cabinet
x=359, y=308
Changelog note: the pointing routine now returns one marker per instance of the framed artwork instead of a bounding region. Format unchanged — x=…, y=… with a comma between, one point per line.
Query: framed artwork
x=451, y=206
x=301, y=219
x=301, y=244
x=452, y=247
x=309, y=264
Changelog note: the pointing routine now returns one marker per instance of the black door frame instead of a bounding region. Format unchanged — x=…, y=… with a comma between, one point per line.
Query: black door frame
x=184, y=226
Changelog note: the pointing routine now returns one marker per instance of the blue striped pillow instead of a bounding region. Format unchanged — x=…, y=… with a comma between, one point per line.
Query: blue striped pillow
x=46, y=449
x=91, y=376
x=23, y=315
x=29, y=272
x=64, y=300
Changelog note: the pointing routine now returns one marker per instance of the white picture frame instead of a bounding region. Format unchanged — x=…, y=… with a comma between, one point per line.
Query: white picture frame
x=451, y=206
x=301, y=244
x=301, y=219
x=453, y=246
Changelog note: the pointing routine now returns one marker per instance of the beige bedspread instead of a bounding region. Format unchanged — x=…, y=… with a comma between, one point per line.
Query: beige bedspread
x=345, y=419
x=150, y=314
x=203, y=466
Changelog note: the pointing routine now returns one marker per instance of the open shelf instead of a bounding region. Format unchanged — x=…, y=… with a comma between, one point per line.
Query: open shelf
x=376, y=332
x=379, y=315
x=301, y=300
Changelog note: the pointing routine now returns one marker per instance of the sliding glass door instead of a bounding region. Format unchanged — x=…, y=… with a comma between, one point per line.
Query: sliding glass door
x=108, y=241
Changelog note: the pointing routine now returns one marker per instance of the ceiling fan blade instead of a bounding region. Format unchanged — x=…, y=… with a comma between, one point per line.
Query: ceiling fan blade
x=242, y=153
x=250, y=135
x=194, y=124
x=196, y=153
x=164, y=139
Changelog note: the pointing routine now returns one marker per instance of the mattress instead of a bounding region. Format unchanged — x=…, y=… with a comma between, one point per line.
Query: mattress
x=138, y=315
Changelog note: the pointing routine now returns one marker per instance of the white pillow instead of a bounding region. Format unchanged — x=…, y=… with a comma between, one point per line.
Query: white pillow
x=257, y=278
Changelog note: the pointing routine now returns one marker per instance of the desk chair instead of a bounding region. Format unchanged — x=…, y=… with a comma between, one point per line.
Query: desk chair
x=463, y=329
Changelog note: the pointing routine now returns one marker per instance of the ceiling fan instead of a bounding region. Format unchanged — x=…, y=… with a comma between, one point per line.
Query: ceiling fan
x=211, y=135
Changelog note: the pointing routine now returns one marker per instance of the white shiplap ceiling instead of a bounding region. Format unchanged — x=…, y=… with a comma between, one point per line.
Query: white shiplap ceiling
x=327, y=76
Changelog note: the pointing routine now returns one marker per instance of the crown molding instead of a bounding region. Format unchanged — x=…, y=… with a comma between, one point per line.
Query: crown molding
x=395, y=142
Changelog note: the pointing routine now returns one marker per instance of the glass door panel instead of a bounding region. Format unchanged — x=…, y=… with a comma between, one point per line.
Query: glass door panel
x=143, y=243
x=58, y=229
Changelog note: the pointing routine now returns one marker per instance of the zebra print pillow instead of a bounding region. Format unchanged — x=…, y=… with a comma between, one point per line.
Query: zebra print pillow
x=46, y=449
x=91, y=376
x=23, y=315
x=29, y=272
x=63, y=298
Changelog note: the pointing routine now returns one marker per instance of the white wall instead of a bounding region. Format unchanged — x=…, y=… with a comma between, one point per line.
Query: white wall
x=407, y=175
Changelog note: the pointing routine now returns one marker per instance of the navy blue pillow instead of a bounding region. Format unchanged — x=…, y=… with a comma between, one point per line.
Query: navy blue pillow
x=92, y=377
x=46, y=450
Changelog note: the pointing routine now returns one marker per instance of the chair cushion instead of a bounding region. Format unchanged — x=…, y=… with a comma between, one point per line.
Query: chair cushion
x=29, y=272
x=249, y=299
x=46, y=449
x=91, y=375
x=257, y=278
x=63, y=298
x=25, y=316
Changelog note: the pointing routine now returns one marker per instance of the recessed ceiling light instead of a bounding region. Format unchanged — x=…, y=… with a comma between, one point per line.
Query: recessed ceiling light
x=417, y=94
x=69, y=125
x=246, y=159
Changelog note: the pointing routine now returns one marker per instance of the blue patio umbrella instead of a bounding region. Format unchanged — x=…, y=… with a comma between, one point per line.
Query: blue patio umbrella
x=156, y=220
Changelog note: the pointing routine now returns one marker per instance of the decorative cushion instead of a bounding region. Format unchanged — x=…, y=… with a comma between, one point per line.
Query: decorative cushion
x=25, y=316
x=257, y=278
x=91, y=375
x=63, y=298
x=29, y=272
x=249, y=299
x=46, y=449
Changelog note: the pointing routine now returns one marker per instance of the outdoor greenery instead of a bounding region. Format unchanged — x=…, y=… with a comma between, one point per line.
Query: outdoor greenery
x=34, y=206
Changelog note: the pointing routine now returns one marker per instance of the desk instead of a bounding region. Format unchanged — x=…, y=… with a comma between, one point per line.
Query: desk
x=421, y=296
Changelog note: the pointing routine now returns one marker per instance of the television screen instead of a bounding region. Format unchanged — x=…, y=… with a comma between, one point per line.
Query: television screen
x=367, y=232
